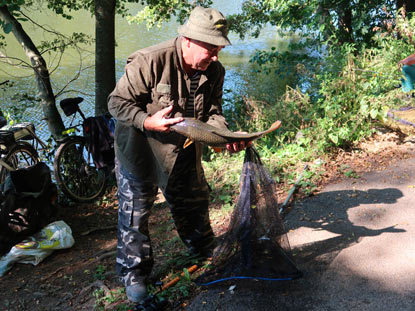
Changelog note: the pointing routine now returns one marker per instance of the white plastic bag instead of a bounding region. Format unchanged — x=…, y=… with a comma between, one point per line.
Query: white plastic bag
x=56, y=235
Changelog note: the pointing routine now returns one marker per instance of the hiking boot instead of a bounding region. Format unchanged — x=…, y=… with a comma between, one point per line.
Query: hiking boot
x=136, y=292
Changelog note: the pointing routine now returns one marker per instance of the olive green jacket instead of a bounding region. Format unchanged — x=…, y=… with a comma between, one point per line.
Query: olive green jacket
x=153, y=80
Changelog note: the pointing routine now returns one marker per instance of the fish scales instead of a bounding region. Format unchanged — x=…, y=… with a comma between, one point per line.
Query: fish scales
x=199, y=131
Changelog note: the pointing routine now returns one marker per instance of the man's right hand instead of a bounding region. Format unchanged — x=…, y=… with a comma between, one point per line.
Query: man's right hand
x=158, y=121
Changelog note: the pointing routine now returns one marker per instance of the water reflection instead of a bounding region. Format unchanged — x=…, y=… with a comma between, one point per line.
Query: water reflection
x=239, y=77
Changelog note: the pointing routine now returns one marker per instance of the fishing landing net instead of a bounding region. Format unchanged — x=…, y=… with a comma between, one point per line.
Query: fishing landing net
x=255, y=245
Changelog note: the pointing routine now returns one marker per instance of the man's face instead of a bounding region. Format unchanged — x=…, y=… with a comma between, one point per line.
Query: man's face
x=201, y=54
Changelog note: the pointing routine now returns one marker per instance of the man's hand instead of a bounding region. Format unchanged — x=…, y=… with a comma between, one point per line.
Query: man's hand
x=238, y=146
x=158, y=121
x=410, y=60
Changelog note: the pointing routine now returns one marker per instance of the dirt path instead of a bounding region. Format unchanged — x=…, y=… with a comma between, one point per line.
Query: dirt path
x=355, y=243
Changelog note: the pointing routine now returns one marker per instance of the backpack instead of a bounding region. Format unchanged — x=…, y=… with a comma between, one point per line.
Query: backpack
x=26, y=204
x=100, y=140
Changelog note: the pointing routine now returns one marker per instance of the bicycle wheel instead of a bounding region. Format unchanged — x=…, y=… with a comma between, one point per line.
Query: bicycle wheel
x=75, y=171
x=20, y=155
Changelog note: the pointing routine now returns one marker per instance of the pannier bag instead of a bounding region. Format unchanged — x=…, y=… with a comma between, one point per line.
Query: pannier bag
x=100, y=140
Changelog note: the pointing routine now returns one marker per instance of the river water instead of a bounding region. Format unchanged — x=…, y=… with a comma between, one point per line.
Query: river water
x=129, y=37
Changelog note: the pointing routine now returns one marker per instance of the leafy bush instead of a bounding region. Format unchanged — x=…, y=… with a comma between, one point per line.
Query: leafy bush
x=332, y=100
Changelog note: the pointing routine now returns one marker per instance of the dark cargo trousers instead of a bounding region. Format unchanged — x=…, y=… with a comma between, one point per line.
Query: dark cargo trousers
x=188, y=201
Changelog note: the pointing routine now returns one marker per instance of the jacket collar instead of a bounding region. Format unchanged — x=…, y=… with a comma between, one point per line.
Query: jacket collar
x=179, y=54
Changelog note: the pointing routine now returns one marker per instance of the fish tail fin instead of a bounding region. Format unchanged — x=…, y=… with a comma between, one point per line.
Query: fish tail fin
x=273, y=127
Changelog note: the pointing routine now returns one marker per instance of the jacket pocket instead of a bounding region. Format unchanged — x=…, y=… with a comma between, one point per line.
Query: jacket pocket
x=161, y=101
x=165, y=101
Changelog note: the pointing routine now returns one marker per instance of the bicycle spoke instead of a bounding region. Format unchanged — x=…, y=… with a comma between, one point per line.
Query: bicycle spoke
x=76, y=172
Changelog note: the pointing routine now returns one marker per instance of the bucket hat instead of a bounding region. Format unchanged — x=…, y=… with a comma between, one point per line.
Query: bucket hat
x=206, y=25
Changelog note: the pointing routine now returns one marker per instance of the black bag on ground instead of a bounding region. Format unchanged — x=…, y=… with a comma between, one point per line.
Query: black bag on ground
x=26, y=204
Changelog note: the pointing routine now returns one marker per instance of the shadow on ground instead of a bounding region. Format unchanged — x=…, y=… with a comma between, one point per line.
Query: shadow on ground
x=331, y=234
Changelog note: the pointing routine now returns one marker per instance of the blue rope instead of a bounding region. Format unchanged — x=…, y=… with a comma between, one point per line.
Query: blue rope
x=246, y=277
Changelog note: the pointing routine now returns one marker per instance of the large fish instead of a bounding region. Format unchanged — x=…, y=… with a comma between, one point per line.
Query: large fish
x=199, y=131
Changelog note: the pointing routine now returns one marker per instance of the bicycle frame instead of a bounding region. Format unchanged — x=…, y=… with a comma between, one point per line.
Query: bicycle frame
x=75, y=171
x=15, y=150
x=70, y=107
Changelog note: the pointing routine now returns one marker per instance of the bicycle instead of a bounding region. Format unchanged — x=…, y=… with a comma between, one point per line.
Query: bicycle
x=76, y=172
x=15, y=151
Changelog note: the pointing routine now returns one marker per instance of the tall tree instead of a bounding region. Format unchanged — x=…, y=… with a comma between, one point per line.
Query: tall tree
x=104, y=53
x=408, y=4
x=345, y=16
x=47, y=97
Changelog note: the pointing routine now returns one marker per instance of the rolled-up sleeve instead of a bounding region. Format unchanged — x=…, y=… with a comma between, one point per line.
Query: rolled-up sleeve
x=127, y=102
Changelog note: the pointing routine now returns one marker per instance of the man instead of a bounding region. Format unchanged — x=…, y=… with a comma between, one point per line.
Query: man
x=161, y=85
x=408, y=70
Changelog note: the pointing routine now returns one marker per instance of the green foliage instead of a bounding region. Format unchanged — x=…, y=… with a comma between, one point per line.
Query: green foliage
x=153, y=13
x=8, y=117
x=14, y=7
x=61, y=43
x=347, y=20
x=105, y=298
x=64, y=7
x=100, y=272
x=332, y=100
x=158, y=11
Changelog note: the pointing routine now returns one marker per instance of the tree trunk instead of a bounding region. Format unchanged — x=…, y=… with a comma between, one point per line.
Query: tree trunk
x=104, y=53
x=42, y=77
x=409, y=5
x=344, y=12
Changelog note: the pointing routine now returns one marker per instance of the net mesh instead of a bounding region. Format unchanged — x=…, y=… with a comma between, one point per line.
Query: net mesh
x=255, y=245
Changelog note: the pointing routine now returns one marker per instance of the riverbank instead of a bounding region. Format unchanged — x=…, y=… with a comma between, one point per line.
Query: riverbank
x=83, y=277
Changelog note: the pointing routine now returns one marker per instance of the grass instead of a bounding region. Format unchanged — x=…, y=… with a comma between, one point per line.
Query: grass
x=107, y=298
